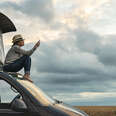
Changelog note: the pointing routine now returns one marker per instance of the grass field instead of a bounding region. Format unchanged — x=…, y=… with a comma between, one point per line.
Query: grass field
x=99, y=110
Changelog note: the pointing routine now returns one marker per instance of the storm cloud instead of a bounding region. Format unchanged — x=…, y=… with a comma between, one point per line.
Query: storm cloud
x=91, y=42
x=59, y=65
x=33, y=8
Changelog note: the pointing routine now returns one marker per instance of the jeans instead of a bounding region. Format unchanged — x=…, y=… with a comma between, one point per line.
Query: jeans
x=17, y=65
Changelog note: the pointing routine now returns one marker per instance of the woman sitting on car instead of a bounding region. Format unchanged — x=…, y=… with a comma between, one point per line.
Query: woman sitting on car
x=18, y=58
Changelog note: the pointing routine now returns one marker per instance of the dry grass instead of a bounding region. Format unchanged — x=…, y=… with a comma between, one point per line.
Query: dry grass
x=99, y=110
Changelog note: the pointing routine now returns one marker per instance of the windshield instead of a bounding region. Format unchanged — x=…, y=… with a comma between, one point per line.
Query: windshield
x=37, y=93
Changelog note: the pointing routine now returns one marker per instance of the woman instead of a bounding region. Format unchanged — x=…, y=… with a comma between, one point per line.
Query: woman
x=18, y=58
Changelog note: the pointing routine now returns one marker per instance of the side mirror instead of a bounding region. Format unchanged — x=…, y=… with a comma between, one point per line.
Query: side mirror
x=19, y=105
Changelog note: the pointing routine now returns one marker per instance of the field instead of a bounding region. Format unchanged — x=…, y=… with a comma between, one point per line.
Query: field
x=99, y=110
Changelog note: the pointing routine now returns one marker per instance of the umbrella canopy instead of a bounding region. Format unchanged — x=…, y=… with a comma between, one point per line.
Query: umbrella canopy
x=6, y=25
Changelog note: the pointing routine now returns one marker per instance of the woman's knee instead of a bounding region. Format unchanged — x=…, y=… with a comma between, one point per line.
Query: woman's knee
x=27, y=57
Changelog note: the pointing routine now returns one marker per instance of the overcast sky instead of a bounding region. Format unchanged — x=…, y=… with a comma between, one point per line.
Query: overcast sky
x=76, y=61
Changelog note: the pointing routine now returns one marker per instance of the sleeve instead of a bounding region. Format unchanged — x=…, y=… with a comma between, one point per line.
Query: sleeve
x=24, y=52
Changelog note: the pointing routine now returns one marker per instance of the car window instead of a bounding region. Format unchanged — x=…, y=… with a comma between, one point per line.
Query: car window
x=6, y=93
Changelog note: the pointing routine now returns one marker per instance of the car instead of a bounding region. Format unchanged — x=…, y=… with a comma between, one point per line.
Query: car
x=29, y=100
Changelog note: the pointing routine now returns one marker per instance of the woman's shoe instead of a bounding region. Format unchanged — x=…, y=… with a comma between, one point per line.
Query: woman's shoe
x=27, y=77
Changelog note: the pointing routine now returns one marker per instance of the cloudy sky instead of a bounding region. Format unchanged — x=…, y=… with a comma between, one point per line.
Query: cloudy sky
x=76, y=61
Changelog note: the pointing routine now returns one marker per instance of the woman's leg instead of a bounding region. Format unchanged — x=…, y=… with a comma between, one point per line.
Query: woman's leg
x=12, y=67
x=17, y=65
x=27, y=65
